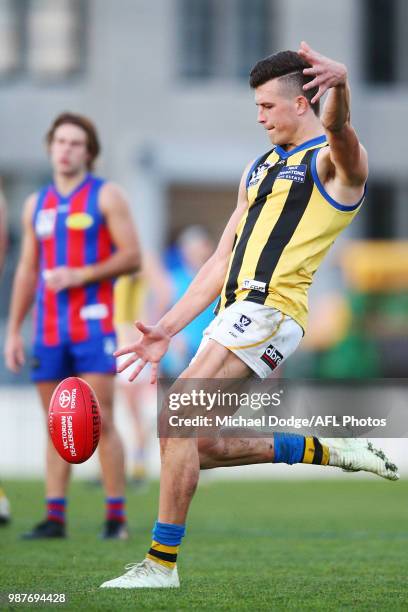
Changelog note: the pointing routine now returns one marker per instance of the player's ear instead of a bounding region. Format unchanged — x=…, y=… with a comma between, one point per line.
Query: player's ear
x=301, y=105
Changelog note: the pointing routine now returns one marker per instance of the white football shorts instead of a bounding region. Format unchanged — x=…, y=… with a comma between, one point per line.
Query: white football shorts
x=261, y=336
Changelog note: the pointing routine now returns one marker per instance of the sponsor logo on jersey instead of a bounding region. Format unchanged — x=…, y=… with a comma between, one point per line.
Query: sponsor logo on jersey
x=79, y=221
x=94, y=312
x=45, y=223
x=242, y=324
x=258, y=173
x=297, y=174
x=272, y=357
x=249, y=283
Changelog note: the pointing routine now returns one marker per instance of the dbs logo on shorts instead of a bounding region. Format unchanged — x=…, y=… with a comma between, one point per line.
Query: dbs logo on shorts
x=272, y=357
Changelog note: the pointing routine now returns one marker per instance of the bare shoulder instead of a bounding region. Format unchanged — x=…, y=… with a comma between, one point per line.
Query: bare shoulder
x=354, y=174
x=242, y=196
x=112, y=196
x=29, y=207
x=343, y=185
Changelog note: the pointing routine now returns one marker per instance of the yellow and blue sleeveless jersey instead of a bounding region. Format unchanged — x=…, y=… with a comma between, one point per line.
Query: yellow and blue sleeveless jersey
x=289, y=226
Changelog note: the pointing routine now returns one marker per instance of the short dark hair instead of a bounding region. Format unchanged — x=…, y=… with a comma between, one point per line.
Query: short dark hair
x=93, y=145
x=287, y=64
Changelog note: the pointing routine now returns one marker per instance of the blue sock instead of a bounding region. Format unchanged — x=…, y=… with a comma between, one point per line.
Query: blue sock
x=56, y=509
x=115, y=509
x=292, y=448
x=165, y=545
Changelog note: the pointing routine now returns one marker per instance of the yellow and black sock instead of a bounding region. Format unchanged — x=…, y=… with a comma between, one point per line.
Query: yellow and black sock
x=293, y=448
x=315, y=452
x=163, y=554
x=166, y=543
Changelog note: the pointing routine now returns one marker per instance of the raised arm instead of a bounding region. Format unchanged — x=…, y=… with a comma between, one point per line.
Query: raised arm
x=345, y=161
x=23, y=291
x=126, y=258
x=202, y=291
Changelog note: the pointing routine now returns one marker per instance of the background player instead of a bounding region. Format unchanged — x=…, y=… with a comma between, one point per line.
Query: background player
x=78, y=235
x=293, y=201
x=5, y=514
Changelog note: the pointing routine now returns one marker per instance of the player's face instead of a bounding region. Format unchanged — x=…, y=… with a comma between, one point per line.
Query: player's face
x=68, y=150
x=276, y=112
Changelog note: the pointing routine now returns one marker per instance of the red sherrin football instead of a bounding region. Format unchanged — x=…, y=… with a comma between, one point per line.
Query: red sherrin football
x=74, y=420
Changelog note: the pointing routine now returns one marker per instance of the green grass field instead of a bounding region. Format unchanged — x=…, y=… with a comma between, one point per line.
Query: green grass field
x=333, y=545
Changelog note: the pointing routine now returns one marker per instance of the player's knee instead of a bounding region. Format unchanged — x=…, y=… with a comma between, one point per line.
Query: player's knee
x=168, y=445
x=107, y=422
x=208, y=448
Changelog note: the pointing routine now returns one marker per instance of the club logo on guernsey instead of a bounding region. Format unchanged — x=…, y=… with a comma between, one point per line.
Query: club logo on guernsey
x=79, y=221
x=272, y=357
x=45, y=223
x=297, y=174
x=259, y=173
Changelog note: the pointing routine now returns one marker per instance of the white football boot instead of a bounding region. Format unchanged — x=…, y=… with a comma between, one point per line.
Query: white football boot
x=355, y=454
x=145, y=575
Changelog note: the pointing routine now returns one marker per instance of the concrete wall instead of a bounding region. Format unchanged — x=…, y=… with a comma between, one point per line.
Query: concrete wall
x=156, y=128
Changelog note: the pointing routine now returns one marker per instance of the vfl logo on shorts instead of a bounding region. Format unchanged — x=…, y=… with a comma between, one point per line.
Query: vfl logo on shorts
x=272, y=357
x=242, y=324
x=258, y=174
x=297, y=174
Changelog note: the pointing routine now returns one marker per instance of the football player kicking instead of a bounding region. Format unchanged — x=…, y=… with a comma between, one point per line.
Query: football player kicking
x=293, y=202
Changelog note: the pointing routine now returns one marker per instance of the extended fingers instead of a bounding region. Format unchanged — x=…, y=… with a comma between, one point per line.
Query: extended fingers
x=153, y=373
x=130, y=348
x=322, y=89
x=137, y=370
x=308, y=53
x=315, y=70
x=127, y=363
x=142, y=327
x=313, y=83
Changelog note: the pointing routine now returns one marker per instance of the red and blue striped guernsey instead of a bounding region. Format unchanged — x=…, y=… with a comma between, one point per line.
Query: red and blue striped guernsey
x=71, y=231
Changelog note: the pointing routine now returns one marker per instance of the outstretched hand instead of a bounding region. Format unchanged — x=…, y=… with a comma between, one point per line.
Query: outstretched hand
x=326, y=72
x=149, y=349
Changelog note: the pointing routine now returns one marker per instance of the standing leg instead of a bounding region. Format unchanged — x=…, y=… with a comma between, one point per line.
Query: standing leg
x=134, y=397
x=179, y=477
x=111, y=457
x=57, y=474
